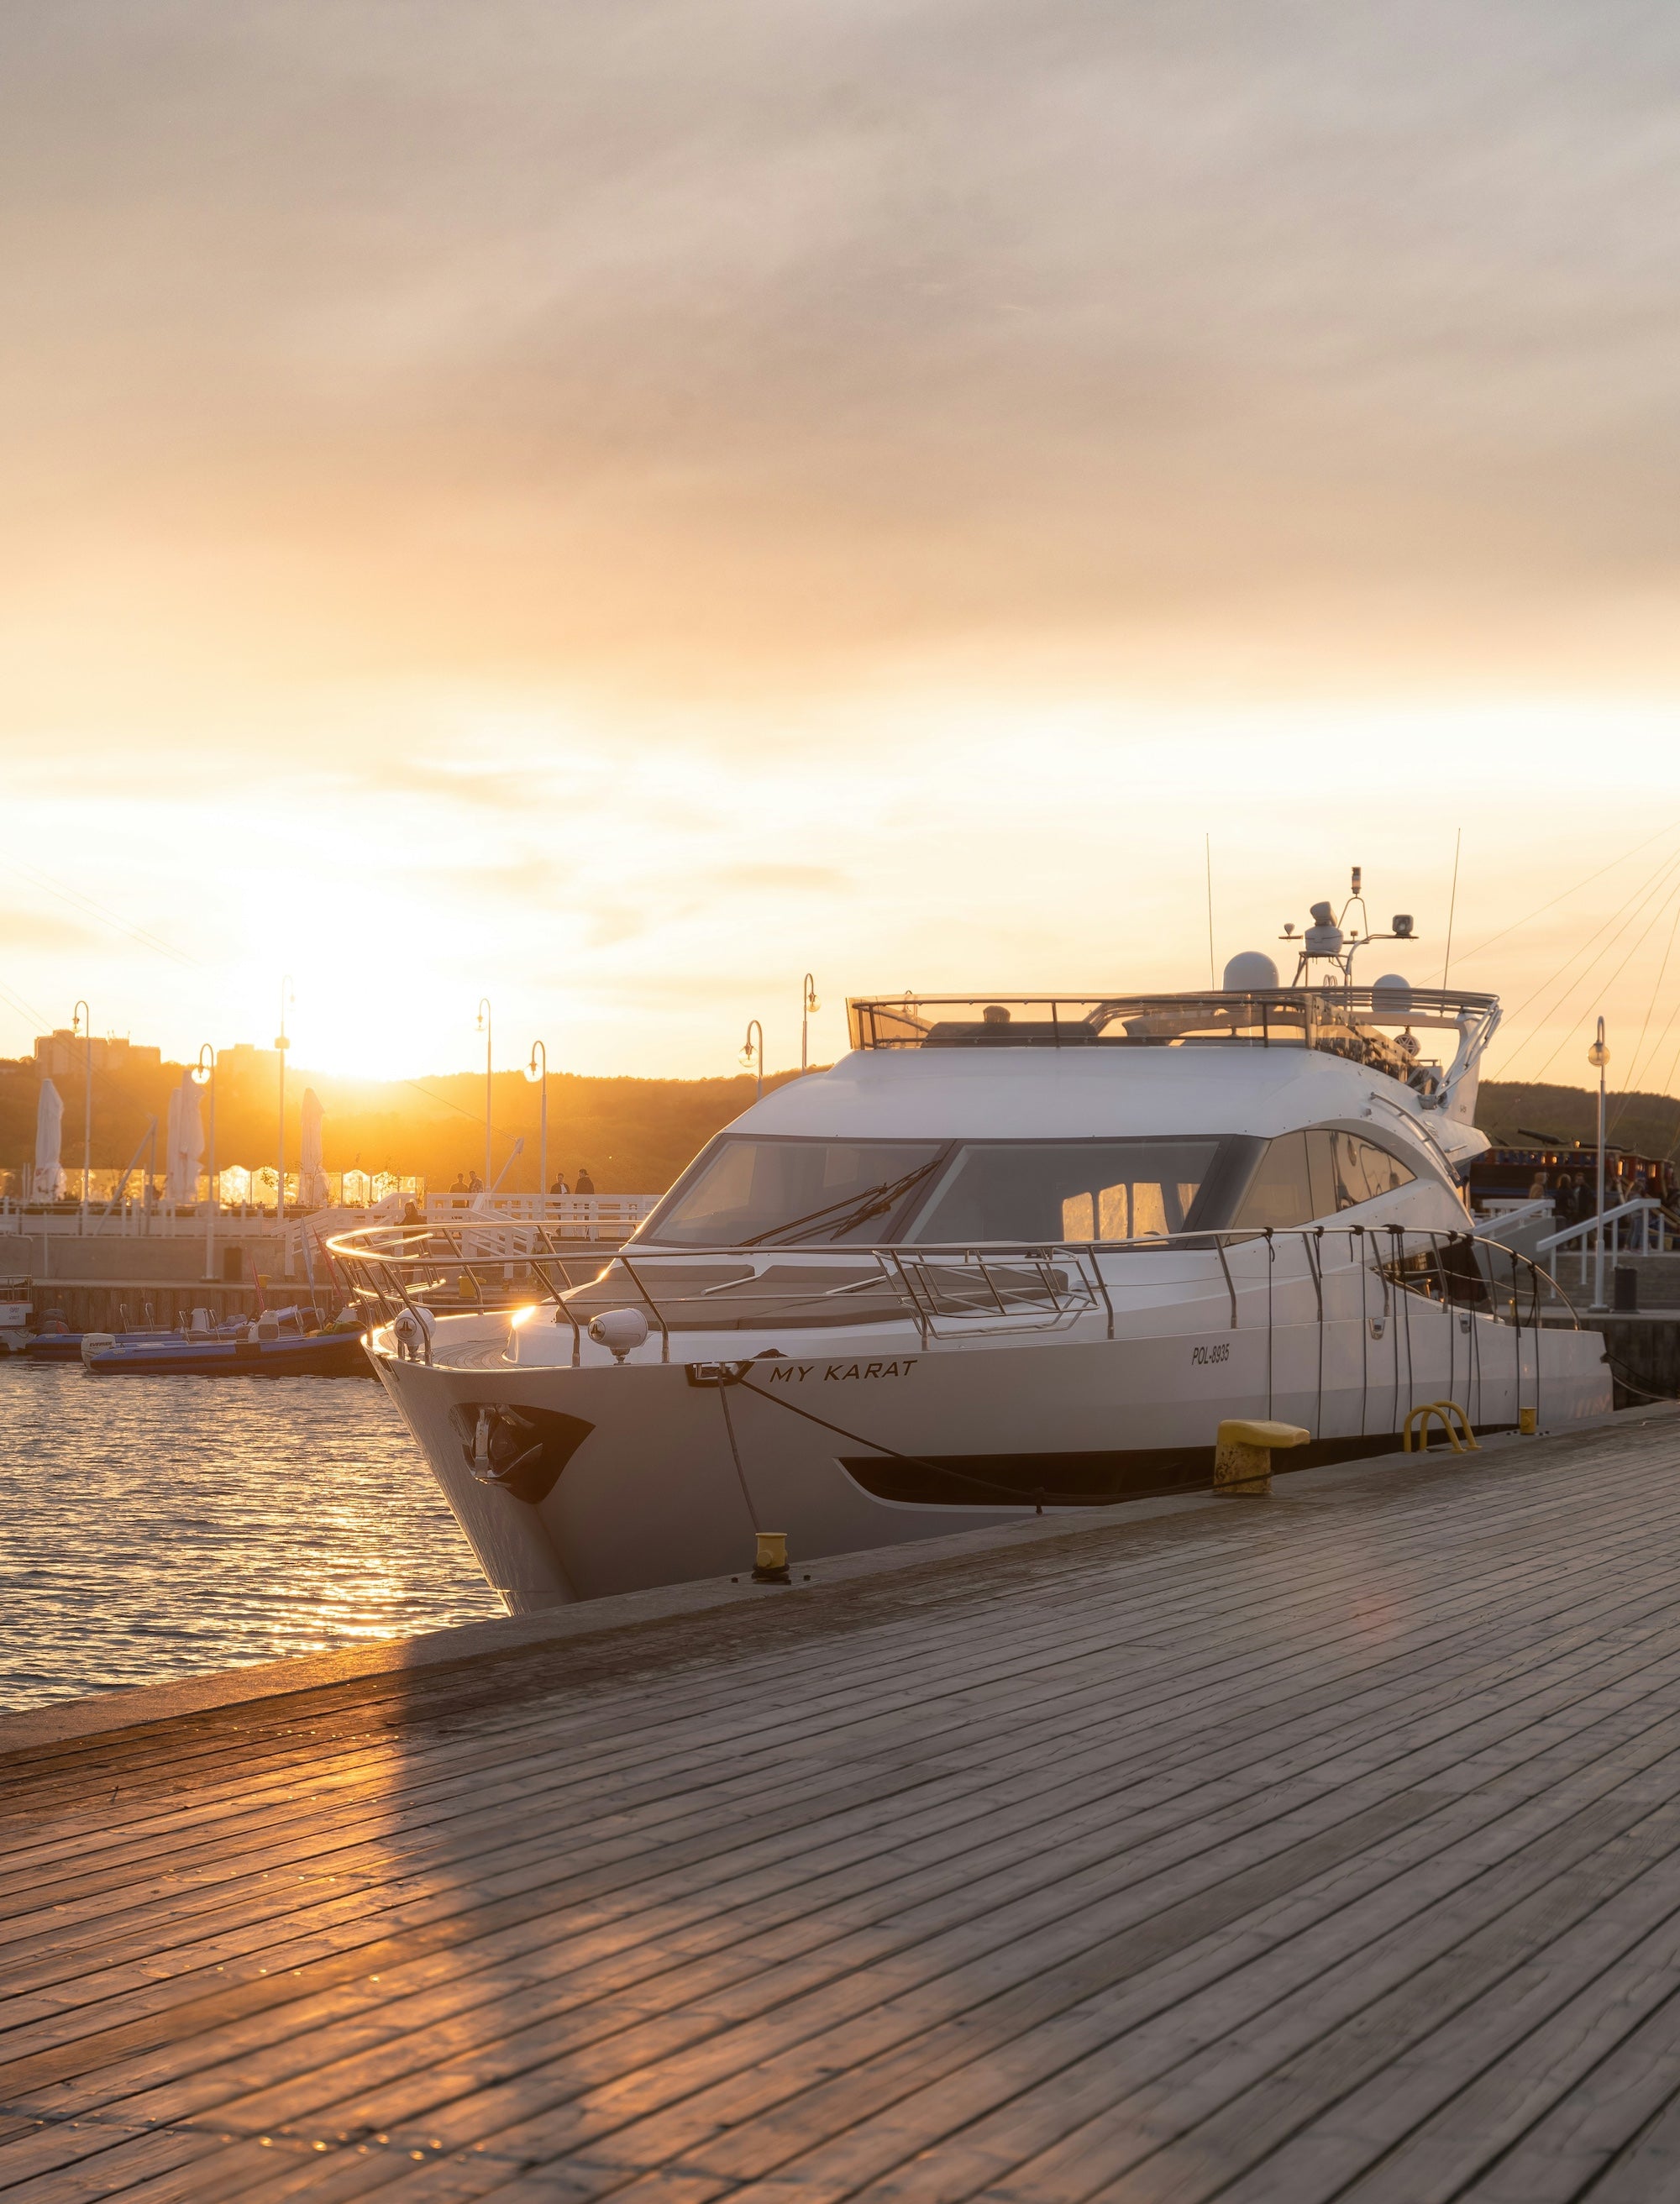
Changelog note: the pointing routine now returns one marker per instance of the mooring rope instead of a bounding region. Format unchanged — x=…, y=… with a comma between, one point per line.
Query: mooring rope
x=1627, y=1386
x=735, y=1455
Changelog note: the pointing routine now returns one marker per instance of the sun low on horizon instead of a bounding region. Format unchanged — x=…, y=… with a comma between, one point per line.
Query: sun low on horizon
x=610, y=514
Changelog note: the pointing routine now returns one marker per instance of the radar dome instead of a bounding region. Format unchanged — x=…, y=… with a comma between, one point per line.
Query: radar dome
x=1390, y=995
x=1252, y=968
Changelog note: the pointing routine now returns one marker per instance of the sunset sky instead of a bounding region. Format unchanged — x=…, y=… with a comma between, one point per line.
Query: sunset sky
x=607, y=508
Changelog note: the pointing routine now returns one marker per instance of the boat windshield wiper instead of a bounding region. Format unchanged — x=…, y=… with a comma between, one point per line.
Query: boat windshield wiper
x=843, y=1216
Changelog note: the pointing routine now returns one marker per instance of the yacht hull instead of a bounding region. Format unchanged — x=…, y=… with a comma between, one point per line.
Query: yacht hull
x=653, y=1472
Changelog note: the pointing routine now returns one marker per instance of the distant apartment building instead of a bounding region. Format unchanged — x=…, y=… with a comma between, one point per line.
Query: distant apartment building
x=63, y=1054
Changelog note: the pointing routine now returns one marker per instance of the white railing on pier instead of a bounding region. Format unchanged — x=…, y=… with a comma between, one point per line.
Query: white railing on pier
x=1503, y=1217
x=133, y=1220
x=606, y=1218
x=168, y=1220
x=1647, y=1231
x=1632, y=1228
x=302, y=1248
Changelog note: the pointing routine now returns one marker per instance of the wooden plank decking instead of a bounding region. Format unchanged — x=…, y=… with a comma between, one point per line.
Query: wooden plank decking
x=1321, y=1846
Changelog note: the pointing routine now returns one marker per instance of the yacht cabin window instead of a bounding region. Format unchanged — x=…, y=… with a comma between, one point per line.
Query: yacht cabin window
x=745, y=1193
x=1363, y=1170
x=1315, y=1174
x=1043, y=1191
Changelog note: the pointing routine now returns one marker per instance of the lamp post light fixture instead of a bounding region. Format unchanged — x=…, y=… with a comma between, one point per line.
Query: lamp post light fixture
x=754, y=1060
x=204, y=1073
x=282, y=1044
x=808, y=1003
x=1598, y=1056
x=538, y=1068
x=81, y=1022
x=483, y=1026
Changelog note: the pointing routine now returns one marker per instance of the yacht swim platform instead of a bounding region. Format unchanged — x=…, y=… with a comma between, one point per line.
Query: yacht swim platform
x=1325, y=1845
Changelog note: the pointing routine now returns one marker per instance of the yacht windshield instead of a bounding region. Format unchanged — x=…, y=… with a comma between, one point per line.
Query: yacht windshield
x=1044, y=1191
x=749, y=1193
x=790, y=1192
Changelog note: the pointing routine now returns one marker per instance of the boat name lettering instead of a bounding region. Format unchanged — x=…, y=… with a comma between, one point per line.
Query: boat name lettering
x=1220, y=1353
x=841, y=1371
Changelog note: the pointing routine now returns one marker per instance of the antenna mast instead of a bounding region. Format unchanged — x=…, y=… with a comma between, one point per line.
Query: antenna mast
x=1452, y=906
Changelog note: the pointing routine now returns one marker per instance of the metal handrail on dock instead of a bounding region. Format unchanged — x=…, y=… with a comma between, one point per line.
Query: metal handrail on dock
x=1644, y=1207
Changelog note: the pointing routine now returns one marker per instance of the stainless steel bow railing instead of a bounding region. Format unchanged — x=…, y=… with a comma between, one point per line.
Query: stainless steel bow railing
x=948, y=1294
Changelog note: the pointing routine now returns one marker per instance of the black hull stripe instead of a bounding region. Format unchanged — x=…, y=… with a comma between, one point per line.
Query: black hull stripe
x=1085, y=1480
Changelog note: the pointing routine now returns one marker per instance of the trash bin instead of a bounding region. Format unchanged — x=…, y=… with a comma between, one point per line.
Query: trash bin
x=1625, y=1297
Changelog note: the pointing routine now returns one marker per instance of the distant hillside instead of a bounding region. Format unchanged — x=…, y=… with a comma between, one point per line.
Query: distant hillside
x=634, y=1135
x=1648, y=1124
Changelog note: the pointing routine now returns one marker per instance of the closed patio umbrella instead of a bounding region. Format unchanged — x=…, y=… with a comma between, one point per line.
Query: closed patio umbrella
x=312, y=1178
x=185, y=1143
x=48, y=1123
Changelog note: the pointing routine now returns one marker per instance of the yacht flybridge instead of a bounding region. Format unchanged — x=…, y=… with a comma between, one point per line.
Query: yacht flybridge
x=1010, y=1254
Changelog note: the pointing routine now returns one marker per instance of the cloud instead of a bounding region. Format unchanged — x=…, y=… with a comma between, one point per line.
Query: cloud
x=526, y=881
x=491, y=490
x=781, y=879
x=719, y=342
x=27, y=928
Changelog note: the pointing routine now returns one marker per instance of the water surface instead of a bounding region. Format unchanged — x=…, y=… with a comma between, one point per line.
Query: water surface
x=154, y=1528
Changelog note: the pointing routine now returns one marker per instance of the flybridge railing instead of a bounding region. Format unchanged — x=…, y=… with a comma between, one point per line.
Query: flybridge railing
x=1342, y=1021
x=958, y=1295
x=1283, y=1016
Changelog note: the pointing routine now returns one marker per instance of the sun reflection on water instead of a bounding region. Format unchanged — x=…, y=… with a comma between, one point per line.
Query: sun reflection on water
x=155, y=1527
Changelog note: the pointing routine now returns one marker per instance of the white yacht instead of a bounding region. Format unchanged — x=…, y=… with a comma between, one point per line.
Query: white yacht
x=1010, y=1255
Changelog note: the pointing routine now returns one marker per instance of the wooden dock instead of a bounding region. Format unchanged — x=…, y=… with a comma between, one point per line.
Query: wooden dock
x=1325, y=1845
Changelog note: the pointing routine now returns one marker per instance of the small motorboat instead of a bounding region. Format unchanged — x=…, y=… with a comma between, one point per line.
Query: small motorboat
x=55, y=1342
x=275, y=1344
x=14, y=1315
x=65, y=1345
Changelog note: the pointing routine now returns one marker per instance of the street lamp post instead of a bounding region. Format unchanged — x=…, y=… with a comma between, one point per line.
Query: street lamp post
x=755, y=1061
x=484, y=1029
x=808, y=1003
x=538, y=1068
x=82, y=1020
x=205, y=1074
x=1598, y=1056
x=281, y=1046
